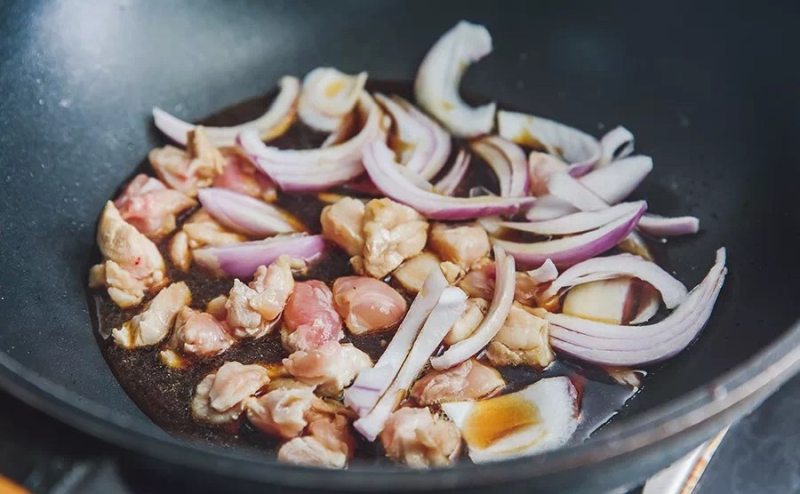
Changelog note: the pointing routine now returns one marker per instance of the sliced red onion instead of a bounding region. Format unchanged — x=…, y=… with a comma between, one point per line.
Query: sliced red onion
x=440, y=135
x=423, y=145
x=673, y=292
x=372, y=382
x=316, y=169
x=345, y=130
x=450, y=182
x=505, y=283
x=576, y=147
x=540, y=167
x=565, y=252
x=387, y=176
x=569, y=189
x=611, y=183
x=243, y=213
x=579, y=222
x=416, y=179
x=557, y=407
x=508, y=162
x=648, y=308
x=661, y=226
x=549, y=207
x=616, y=182
x=448, y=309
x=439, y=76
x=616, y=144
x=328, y=96
x=241, y=260
x=268, y=126
x=635, y=244
x=619, y=300
x=545, y=273
x=610, y=344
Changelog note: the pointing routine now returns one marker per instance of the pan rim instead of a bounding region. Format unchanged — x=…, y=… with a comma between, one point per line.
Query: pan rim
x=726, y=398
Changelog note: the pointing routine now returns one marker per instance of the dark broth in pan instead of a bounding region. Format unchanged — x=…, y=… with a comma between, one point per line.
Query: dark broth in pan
x=164, y=393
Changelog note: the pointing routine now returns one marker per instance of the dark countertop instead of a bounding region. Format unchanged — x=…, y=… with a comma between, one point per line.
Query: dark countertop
x=759, y=454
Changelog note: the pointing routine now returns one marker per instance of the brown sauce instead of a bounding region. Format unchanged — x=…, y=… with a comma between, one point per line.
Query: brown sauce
x=164, y=394
x=497, y=418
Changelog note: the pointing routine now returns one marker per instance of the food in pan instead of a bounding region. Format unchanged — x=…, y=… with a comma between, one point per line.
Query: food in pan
x=357, y=273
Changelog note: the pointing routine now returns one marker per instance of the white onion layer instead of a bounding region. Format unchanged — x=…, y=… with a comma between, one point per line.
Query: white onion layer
x=439, y=76
x=268, y=126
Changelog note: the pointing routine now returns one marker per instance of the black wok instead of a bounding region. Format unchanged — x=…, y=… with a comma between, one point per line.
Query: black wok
x=711, y=92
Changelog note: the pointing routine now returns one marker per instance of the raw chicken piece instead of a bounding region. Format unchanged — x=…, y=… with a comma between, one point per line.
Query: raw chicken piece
x=151, y=207
x=252, y=310
x=451, y=271
x=203, y=230
x=191, y=169
x=412, y=273
x=460, y=244
x=526, y=289
x=393, y=233
x=470, y=380
x=153, y=324
x=417, y=438
x=133, y=265
x=367, y=304
x=282, y=412
x=479, y=282
x=468, y=322
x=220, y=396
x=240, y=175
x=124, y=289
x=309, y=451
x=523, y=340
x=199, y=333
x=309, y=318
x=328, y=445
x=179, y=252
x=341, y=224
x=331, y=367
x=216, y=307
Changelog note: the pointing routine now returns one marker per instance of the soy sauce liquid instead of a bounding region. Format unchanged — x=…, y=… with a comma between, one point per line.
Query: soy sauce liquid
x=164, y=394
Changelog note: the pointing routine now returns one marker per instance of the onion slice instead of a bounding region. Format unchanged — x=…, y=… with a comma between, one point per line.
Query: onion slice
x=574, y=146
x=537, y=418
x=372, y=382
x=448, y=309
x=328, y=96
x=387, y=175
x=610, y=344
x=545, y=273
x=241, y=260
x=505, y=283
x=661, y=226
x=448, y=184
x=508, y=162
x=611, y=183
x=566, y=188
x=616, y=144
x=268, y=126
x=439, y=76
x=316, y=169
x=579, y=222
x=423, y=146
x=243, y=213
x=616, y=182
x=565, y=252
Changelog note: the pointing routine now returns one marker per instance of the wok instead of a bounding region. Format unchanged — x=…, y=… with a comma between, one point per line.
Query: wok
x=709, y=90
